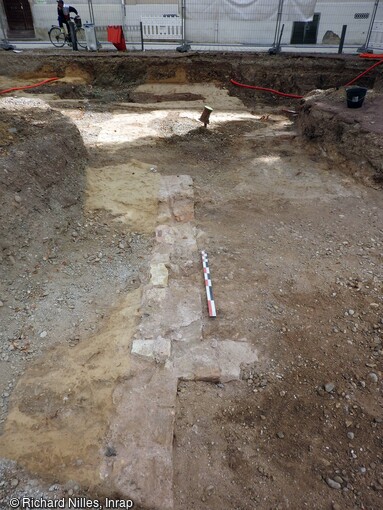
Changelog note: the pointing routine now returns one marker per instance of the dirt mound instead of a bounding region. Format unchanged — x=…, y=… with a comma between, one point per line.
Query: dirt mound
x=351, y=137
x=43, y=158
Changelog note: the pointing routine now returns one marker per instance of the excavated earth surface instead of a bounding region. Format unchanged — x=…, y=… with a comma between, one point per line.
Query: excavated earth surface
x=114, y=381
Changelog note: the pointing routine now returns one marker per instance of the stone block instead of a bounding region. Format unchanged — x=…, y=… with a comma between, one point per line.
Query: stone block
x=142, y=433
x=159, y=275
x=183, y=210
x=158, y=349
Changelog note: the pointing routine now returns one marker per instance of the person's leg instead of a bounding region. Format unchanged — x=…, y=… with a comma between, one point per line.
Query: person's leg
x=61, y=25
x=68, y=31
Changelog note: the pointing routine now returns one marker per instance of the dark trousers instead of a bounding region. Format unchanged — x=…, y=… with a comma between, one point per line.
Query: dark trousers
x=61, y=23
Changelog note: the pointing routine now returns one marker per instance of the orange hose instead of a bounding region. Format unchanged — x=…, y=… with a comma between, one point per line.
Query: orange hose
x=29, y=86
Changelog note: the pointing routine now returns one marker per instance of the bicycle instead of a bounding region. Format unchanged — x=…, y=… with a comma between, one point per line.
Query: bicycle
x=59, y=38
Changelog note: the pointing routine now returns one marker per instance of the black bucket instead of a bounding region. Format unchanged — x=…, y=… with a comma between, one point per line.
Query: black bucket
x=355, y=96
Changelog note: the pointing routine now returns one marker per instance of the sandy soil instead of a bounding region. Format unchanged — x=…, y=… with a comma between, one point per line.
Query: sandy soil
x=293, y=234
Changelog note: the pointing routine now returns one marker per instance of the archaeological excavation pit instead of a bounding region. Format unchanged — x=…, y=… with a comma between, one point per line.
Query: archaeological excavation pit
x=115, y=382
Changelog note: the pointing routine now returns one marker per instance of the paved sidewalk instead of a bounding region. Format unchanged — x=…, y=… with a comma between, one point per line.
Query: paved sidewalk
x=107, y=46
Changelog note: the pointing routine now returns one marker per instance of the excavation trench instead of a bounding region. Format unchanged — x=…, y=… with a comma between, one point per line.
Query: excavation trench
x=115, y=377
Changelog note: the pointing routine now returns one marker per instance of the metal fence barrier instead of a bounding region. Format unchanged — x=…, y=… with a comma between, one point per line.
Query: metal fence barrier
x=275, y=25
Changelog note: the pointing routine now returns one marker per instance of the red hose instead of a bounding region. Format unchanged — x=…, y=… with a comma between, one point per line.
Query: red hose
x=365, y=72
x=28, y=86
x=272, y=91
x=294, y=96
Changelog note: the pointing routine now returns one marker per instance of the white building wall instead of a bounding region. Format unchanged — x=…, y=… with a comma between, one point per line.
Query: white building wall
x=336, y=14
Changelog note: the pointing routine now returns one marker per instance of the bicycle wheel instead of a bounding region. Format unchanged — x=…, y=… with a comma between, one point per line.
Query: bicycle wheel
x=81, y=39
x=57, y=37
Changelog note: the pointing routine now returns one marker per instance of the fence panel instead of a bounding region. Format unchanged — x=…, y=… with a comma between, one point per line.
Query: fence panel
x=376, y=40
x=301, y=22
x=241, y=24
x=106, y=12
x=230, y=22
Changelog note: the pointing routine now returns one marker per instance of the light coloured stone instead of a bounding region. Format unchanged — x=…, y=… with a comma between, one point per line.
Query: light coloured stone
x=165, y=234
x=175, y=187
x=159, y=275
x=158, y=349
x=177, y=307
x=153, y=296
x=144, y=348
x=221, y=361
x=333, y=484
x=181, y=238
x=191, y=333
x=161, y=257
x=176, y=199
x=142, y=432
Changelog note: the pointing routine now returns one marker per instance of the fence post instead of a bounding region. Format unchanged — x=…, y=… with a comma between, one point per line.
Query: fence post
x=91, y=13
x=183, y=14
x=92, y=21
x=123, y=17
x=142, y=36
x=276, y=47
x=364, y=47
x=342, y=38
x=184, y=46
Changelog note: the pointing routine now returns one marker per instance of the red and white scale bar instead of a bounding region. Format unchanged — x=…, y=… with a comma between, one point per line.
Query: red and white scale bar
x=208, y=285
